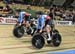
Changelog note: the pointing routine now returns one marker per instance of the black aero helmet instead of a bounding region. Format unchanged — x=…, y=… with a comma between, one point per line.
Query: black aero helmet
x=39, y=13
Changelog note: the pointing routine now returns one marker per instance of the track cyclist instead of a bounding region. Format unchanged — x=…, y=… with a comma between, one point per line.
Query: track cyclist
x=43, y=23
x=24, y=18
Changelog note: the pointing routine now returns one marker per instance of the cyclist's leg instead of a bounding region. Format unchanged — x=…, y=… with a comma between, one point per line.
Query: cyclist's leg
x=48, y=29
x=24, y=22
x=27, y=24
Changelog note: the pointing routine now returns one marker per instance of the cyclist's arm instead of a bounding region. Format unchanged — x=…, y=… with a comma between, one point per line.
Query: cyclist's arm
x=42, y=22
x=20, y=19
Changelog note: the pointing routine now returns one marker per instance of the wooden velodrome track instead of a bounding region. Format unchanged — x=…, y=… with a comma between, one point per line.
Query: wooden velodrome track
x=11, y=45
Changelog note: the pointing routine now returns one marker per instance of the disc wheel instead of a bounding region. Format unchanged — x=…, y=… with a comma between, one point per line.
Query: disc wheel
x=18, y=32
x=38, y=41
x=56, y=40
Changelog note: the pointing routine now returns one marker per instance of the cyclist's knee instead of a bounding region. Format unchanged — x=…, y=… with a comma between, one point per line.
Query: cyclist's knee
x=48, y=28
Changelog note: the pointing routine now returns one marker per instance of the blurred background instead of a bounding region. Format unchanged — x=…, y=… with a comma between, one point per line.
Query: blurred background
x=62, y=10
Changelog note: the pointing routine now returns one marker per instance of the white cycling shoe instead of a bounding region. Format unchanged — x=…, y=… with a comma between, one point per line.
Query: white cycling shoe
x=49, y=38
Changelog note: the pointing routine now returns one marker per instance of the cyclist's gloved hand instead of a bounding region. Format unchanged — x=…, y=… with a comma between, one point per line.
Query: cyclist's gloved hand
x=19, y=24
x=40, y=31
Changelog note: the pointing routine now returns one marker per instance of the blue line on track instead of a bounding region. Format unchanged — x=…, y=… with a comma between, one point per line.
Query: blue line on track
x=63, y=52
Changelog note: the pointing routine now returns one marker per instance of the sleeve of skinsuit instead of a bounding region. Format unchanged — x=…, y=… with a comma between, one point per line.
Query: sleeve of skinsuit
x=20, y=19
x=38, y=23
x=42, y=22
